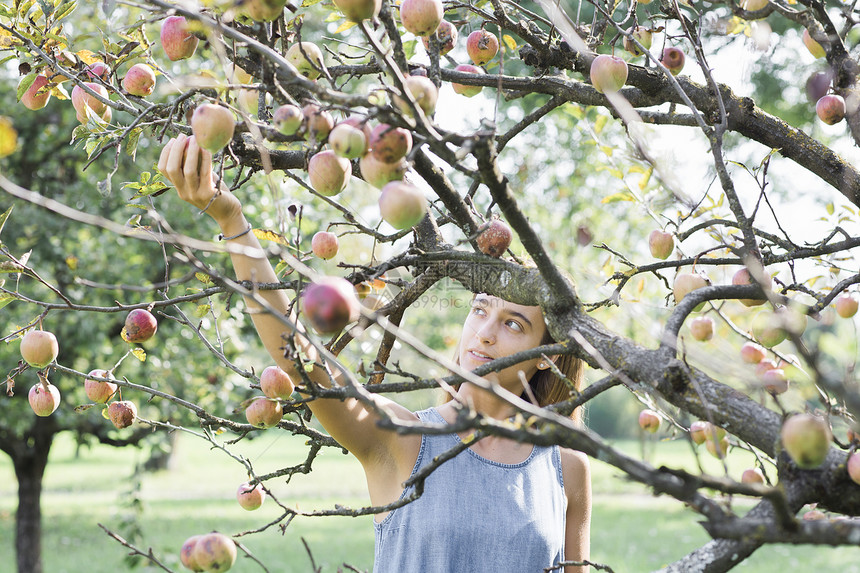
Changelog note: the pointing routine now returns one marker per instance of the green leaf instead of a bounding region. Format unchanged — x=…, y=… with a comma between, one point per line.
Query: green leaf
x=308, y=3
x=409, y=48
x=204, y=278
x=5, y=216
x=829, y=208
x=202, y=310
x=10, y=267
x=25, y=84
x=47, y=7
x=509, y=42
x=64, y=10
x=6, y=298
x=131, y=144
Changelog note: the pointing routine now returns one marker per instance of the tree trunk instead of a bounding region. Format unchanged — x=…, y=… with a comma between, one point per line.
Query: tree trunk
x=30, y=465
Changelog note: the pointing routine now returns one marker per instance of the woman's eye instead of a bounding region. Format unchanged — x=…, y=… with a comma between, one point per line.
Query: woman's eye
x=478, y=310
x=515, y=325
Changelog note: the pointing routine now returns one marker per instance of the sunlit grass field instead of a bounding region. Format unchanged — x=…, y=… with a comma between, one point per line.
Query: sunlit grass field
x=632, y=530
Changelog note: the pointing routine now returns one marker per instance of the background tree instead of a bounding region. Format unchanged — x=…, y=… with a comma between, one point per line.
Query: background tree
x=540, y=135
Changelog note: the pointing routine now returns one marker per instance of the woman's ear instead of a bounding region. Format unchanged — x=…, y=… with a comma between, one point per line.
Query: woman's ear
x=543, y=365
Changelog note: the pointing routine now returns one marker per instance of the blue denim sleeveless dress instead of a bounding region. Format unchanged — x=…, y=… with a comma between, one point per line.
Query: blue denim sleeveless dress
x=476, y=515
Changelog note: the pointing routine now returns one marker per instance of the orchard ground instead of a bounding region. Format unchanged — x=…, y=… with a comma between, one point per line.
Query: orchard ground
x=630, y=526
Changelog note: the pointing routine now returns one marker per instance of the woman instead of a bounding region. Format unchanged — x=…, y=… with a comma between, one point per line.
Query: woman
x=498, y=506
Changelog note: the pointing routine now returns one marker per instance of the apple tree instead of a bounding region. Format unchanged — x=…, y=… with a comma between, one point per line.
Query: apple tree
x=719, y=201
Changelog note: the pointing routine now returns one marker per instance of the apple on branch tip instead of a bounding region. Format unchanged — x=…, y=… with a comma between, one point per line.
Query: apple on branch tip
x=421, y=17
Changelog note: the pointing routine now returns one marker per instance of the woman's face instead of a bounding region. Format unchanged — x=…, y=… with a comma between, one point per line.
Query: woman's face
x=496, y=328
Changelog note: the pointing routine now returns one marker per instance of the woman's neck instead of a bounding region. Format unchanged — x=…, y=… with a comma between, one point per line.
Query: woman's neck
x=485, y=402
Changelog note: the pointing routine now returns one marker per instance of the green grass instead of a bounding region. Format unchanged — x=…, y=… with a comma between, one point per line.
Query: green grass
x=632, y=530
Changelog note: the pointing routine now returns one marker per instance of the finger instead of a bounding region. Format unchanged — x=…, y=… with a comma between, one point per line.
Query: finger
x=162, y=159
x=174, y=161
x=205, y=165
x=190, y=168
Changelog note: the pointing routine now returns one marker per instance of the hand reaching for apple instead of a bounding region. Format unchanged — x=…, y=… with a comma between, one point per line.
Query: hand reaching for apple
x=189, y=168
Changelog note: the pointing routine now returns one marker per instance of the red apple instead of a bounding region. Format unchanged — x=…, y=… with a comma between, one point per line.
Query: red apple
x=816, y=49
x=673, y=59
x=743, y=277
x=250, y=497
x=307, y=59
x=98, y=391
x=463, y=89
x=495, y=239
x=764, y=366
x=608, y=73
x=288, y=119
x=98, y=70
x=390, y=144
x=661, y=244
x=378, y=173
x=81, y=100
x=347, y=141
x=186, y=554
x=752, y=353
x=806, y=438
x=421, y=17
x=854, y=467
x=324, y=244
x=402, y=205
x=318, y=122
x=213, y=126
x=446, y=34
x=122, y=413
x=215, y=552
x=37, y=95
x=140, y=325
x=701, y=431
x=176, y=40
x=328, y=173
x=358, y=10
x=698, y=431
x=649, y=420
x=39, y=348
x=330, y=304
x=264, y=412
x=44, y=399
x=775, y=381
x=817, y=85
x=642, y=35
x=752, y=475
x=275, y=383
x=702, y=328
x=423, y=91
x=686, y=283
x=830, y=109
x=139, y=80
x=482, y=46
x=846, y=305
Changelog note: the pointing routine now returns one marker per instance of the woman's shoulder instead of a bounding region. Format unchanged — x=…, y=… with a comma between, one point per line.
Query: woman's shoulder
x=575, y=468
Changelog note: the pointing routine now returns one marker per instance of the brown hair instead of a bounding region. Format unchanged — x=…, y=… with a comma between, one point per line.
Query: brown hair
x=545, y=385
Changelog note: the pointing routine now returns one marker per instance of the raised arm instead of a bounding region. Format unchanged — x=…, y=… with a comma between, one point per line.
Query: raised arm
x=189, y=168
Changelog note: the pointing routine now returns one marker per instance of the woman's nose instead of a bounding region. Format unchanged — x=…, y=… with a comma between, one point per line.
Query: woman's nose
x=486, y=334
